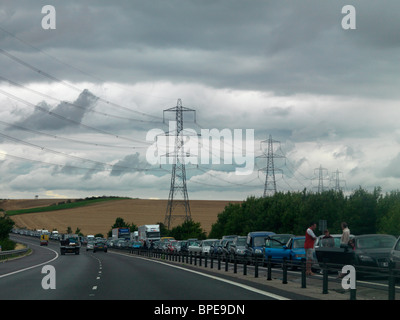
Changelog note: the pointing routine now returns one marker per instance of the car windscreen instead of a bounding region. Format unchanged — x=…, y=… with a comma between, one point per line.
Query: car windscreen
x=259, y=241
x=375, y=242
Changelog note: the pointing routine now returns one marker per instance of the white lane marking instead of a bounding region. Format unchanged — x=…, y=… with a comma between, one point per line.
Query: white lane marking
x=31, y=267
x=243, y=286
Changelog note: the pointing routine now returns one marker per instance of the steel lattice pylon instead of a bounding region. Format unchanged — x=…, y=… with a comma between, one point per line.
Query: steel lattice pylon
x=270, y=182
x=178, y=174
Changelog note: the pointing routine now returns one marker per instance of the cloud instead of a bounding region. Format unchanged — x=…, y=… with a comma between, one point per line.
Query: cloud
x=63, y=115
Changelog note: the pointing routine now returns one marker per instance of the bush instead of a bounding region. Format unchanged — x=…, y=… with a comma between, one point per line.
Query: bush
x=7, y=244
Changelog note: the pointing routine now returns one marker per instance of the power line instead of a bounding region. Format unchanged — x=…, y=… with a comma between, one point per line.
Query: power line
x=49, y=76
x=56, y=115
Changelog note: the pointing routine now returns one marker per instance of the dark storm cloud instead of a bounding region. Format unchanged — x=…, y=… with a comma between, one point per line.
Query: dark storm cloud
x=283, y=46
x=62, y=116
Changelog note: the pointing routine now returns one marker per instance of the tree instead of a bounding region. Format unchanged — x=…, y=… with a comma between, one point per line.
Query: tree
x=6, y=224
x=188, y=229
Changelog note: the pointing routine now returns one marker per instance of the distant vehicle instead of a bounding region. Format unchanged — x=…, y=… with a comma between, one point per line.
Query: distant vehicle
x=239, y=249
x=225, y=248
x=121, y=233
x=90, y=245
x=149, y=233
x=44, y=239
x=194, y=246
x=100, y=245
x=135, y=244
x=207, y=246
x=70, y=244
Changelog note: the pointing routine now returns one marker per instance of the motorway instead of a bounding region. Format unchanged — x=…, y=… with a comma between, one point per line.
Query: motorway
x=115, y=275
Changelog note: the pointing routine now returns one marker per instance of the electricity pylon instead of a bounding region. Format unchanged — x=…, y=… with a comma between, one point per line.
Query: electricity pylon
x=337, y=182
x=321, y=178
x=270, y=182
x=178, y=175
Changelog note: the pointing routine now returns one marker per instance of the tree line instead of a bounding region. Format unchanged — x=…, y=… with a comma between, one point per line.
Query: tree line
x=292, y=212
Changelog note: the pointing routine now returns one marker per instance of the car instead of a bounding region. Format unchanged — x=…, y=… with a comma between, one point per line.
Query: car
x=183, y=246
x=256, y=242
x=329, y=242
x=90, y=245
x=373, y=250
x=370, y=253
x=121, y=243
x=194, y=246
x=136, y=245
x=100, y=246
x=275, y=247
x=224, y=248
x=170, y=246
x=207, y=246
x=295, y=246
x=238, y=248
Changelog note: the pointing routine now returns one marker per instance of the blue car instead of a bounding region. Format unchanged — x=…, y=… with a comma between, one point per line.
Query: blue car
x=256, y=242
x=293, y=251
x=275, y=247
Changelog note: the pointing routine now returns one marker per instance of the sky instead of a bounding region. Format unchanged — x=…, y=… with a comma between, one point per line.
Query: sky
x=84, y=88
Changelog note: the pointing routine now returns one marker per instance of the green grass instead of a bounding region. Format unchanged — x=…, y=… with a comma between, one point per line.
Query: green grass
x=70, y=204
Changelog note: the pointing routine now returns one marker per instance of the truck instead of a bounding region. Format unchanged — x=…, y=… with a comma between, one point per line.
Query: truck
x=149, y=233
x=44, y=239
x=70, y=244
x=121, y=233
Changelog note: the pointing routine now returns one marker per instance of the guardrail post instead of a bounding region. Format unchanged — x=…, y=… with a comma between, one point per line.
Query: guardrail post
x=303, y=273
x=284, y=268
x=324, y=279
x=205, y=260
x=191, y=257
x=353, y=294
x=255, y=266
x=245, y=267
x=269, y=267
x=195, y=258
x=226, y=263
x=212, y=260
x=234, y=264
x=219, y=262
x=200, y=257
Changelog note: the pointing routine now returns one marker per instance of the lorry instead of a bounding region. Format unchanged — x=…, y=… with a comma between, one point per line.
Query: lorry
x=121, y=233
x=44, y=239
x=70, y=244
x=149, y=233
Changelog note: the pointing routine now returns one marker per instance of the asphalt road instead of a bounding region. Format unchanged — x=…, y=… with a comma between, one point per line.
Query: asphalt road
x=113, y=276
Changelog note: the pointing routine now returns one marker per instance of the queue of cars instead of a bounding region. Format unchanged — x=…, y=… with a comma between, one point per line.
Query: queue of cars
x=365, y=251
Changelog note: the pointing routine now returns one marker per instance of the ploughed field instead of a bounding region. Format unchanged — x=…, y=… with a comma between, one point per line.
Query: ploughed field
x=99, y=217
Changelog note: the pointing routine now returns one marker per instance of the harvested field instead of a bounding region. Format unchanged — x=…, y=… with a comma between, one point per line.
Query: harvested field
x=99, y=217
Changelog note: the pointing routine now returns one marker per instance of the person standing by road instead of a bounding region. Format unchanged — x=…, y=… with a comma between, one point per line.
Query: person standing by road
x=309, y=247
x=344, y=240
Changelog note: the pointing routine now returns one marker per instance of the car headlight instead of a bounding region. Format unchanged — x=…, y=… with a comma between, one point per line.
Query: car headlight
x=365, y=258
x=258, y=251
